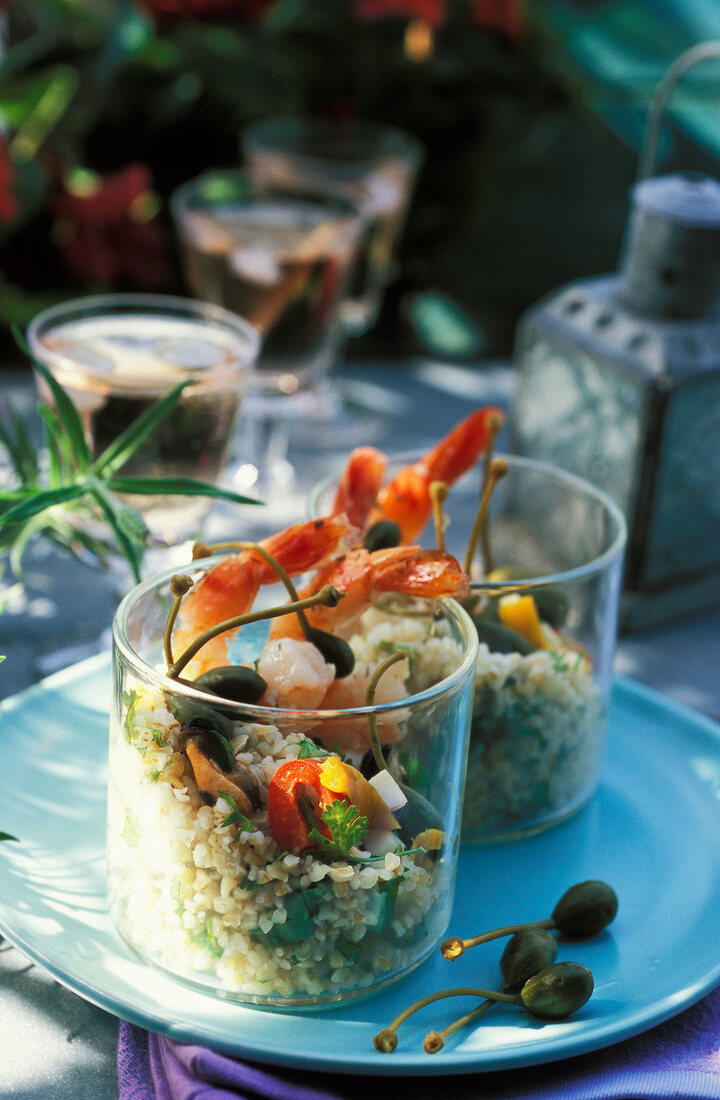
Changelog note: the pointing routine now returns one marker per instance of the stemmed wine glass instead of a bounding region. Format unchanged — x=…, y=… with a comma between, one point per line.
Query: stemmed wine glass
x=281, y=261
x=372, y=165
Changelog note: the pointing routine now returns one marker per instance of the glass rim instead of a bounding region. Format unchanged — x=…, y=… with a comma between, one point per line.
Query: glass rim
x=387, y=140
x=181, y=197
x=117, y=303
x=574, y=481
x=453, y=611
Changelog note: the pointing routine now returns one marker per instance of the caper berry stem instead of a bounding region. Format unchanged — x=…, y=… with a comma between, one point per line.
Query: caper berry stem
x=370, y=700
x=525, y=955
x=328, y=596
x=583, y=911
x=435, y=1040
x=497, y=469
x=453, y=947
x=180, y=585
x=201, y=549
x=494, y=426
x=438, y=495
x=383, y=1040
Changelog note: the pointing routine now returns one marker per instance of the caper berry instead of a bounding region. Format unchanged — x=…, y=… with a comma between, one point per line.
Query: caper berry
x=526, y=954
x=552, y=603
x=368, y=765
x=383, y=535
x=336, y=651
x=558, y=990
x=500, y=639
x=585, y=909
x=237, y=682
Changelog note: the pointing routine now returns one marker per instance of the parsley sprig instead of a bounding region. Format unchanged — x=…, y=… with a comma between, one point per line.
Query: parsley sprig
x=347, y=830
x=65, y=501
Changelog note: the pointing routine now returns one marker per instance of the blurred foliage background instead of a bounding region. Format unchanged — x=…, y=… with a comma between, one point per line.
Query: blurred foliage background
x=107, y=105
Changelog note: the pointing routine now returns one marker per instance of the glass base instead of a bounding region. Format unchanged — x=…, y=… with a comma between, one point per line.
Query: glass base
x=523, y=831
x=298, y=1004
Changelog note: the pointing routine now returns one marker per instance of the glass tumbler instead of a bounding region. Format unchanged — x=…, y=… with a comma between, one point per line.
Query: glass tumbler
x=372, y=165
x=545, y=609
x=205, y=884
x=116, y=354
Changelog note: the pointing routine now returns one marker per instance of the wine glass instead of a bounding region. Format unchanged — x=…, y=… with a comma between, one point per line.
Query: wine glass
x=117, y=354
x=281, y=261
x=372, y=165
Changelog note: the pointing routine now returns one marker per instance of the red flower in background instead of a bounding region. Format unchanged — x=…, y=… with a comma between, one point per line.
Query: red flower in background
x=106, y=232
x=430, y=11
x=205, y=9
x=505, y=16
x=8, y=202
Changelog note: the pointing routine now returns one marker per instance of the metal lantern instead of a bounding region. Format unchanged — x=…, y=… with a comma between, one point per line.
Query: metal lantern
x=619, y=381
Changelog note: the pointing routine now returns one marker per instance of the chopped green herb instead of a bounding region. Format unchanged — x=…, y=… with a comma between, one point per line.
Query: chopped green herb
x=206, y=938
x=158, y=738
x=130, y=830
x=310, y=751
x=349, y=950
x=388, y=897
x=559, y=662
x=154, y=775
x=236, y=818
x=249, y=884
x=299, y=924
x=130, y=699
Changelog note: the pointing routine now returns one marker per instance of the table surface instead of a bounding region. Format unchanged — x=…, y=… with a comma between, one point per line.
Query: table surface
x=55, y=1045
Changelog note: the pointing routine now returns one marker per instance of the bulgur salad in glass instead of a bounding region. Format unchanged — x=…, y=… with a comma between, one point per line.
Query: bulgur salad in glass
x=295, y=842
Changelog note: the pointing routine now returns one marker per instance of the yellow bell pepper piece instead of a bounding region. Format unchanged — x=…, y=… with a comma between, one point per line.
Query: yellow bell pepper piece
x=520, y=613
x=342, y=779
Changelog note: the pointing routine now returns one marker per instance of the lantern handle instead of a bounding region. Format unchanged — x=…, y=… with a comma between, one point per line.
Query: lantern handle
x=661, y=96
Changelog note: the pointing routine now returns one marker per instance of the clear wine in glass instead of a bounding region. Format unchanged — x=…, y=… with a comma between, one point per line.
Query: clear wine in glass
x=117, y=354
x=281, y=261
x=371, y=165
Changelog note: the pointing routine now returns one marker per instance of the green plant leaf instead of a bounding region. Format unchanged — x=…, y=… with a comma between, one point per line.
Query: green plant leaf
x=110, y=509
x=176, y=486
x=66, y=407
x=37, y=501
x=126, y=444
x=16, y=441
x=59, y=450
x=8, y=836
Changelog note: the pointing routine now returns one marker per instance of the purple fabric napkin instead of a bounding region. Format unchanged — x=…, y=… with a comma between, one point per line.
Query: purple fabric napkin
x=680, y=1058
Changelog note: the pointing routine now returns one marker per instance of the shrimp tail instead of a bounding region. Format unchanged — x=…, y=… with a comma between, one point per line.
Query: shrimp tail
x=359, y=485
x=406, y=498
x=460, y=449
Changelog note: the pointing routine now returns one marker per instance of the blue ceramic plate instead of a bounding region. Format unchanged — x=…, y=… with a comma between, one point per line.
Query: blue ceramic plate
x=652, y=831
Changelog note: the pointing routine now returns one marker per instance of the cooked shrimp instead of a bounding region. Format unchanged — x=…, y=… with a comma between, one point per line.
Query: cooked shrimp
x=359, y=485
x=406, y=497
x=296, y=674
x=230, y=587
x=363, y=575
x=353, y=733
